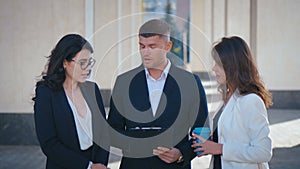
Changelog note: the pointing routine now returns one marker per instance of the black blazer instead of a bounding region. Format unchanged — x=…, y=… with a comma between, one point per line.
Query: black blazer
x=56, y=129
x=182, y=106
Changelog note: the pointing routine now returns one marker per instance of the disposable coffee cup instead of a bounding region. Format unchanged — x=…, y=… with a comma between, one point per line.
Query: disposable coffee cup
x=203, y=132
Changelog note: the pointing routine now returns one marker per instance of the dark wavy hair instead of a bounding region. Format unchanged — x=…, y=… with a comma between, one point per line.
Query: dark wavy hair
x=65, y=49
x=240, y=69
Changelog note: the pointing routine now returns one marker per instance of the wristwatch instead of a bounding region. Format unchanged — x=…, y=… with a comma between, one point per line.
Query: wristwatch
x=180, y=159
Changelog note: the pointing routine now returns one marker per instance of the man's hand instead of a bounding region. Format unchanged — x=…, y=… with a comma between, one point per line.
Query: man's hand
x=98, y=166
x=166, y=154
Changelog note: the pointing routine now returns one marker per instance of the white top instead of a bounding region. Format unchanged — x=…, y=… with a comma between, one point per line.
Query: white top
x=155, y=87
x=83, y=126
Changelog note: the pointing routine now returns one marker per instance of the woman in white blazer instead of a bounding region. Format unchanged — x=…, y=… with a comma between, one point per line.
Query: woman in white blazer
x=241, y=139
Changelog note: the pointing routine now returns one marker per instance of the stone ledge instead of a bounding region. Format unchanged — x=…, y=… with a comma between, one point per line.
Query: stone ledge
x=17, y=129
x=286, y=99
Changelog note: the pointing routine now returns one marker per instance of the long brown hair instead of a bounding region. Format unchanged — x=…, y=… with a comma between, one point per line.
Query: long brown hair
x=240, y=69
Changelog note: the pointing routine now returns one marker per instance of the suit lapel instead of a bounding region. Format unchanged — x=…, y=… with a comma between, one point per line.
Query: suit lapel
x=89, y=94
x=65, y=113
x=168, y=92
x=228, y=109
x=65, y=107
x=139, y=86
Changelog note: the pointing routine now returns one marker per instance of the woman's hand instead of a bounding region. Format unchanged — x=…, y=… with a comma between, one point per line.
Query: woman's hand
x=208, y=147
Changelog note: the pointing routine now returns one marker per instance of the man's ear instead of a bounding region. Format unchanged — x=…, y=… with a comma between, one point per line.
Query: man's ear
x=169, y=46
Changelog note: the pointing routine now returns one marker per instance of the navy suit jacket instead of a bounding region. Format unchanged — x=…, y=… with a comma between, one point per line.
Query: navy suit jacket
x=182, y=107
x=56, y=129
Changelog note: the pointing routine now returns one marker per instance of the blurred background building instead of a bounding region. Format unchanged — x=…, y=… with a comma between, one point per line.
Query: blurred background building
x=30, y=29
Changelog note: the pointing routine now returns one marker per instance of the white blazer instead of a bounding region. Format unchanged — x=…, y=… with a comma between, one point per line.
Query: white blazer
x=243, y=129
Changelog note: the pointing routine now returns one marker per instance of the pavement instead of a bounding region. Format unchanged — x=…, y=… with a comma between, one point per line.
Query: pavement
x=285, y=133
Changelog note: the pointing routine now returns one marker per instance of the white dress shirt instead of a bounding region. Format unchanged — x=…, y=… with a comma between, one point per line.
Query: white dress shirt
x=155, y=87
x=83, y=126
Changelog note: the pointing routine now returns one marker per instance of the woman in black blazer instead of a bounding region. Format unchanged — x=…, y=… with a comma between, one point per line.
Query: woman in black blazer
x=68, y=110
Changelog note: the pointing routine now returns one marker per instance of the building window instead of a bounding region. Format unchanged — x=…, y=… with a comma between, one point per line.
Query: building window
x=176, y=13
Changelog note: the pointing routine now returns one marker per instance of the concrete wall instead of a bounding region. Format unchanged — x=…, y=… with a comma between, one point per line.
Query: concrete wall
x=116, y=26
x=271, y=30
x=29, y=30
x=278, y=41
x=200, y=36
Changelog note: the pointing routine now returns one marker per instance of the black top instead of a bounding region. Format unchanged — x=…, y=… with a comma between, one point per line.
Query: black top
x=217, y=158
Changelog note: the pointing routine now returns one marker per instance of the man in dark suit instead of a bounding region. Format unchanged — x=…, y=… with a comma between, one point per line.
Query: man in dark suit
x=154, y=106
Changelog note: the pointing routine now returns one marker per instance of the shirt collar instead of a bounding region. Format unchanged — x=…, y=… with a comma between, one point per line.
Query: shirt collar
x=164, y=73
